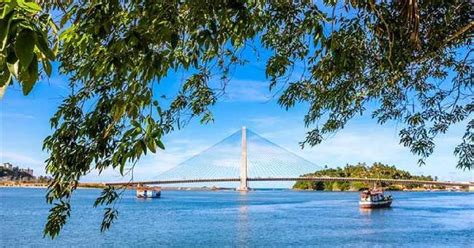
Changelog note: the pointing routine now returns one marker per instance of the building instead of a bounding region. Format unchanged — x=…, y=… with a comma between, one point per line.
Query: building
x=27, y=171
x=7, y=166
x=16, y=173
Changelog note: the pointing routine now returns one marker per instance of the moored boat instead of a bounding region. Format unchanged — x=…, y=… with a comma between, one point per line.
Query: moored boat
x=374, y=199
x=148, y=192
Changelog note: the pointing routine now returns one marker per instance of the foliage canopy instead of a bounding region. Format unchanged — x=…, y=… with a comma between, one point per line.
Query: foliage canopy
x=410, y=59
x=361, y=170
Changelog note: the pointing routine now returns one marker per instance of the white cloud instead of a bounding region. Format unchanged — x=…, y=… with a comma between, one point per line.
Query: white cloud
x=19, y=158
x=247, y=91
x=371, y=143
x=264, y=121
x=348, y=146
x=151, y=165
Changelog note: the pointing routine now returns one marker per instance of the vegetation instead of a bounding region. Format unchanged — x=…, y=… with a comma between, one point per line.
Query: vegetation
x=410, y=59
x=377, y=170
x=43, y=181
x=15, y=174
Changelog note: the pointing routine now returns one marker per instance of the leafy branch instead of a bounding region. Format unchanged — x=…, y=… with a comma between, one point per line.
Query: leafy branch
x=405, y=61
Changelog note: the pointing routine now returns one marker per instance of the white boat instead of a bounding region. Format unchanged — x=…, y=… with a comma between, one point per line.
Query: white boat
x=374, y=199
x=148, y=192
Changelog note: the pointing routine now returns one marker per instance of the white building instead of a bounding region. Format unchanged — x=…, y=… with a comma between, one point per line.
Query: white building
x=7, y=166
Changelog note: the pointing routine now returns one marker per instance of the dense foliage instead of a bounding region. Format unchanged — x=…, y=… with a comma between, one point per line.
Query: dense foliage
x=411, y=60
x=24, y=43
x=377, y=170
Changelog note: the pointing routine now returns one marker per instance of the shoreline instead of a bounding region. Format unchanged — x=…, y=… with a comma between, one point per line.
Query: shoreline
x=12, y=184
x=101, y=186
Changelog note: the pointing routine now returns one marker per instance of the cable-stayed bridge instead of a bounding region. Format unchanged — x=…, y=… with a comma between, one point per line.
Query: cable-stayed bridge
x=245, y=157
x=244, y=154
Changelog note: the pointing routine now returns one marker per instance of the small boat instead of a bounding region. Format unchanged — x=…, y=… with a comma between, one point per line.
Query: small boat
x=148, y=192
x=374, y=199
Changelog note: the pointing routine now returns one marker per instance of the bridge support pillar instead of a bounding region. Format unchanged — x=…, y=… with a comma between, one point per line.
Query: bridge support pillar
x=243, y=163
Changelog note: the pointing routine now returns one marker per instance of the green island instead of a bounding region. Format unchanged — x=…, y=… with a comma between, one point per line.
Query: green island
x=361, y=170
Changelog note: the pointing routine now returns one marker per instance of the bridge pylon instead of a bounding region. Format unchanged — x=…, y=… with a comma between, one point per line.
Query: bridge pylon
x=243, y=163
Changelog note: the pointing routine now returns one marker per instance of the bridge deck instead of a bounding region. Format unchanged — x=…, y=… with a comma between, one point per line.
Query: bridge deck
x=316, y=179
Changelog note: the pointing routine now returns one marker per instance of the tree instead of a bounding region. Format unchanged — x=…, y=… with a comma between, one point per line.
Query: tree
x=410, y=59
x=361, y=170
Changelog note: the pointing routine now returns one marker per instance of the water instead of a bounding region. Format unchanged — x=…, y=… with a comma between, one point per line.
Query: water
x=230, y=219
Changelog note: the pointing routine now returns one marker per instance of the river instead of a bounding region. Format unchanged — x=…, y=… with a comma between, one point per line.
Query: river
x=278, y=218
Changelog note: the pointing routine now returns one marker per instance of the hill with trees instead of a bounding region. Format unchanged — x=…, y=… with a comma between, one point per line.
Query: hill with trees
x=361, y=170
x=14, y=175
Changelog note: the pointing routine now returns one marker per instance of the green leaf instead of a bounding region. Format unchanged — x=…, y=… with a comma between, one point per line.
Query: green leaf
x=31, y=7
x=14, y=68
x=29, y=76
x=174, y=40
x=65, y=19
x=122, y=167
x=117, y=111
x=110, y=215
x=11, y=56
x=7, y=8
x=47, y=67
x=5, y=77
x=207, y=118
x=42, y=44
x=2, y=90
x=24, y=46
x=4, y=28
x=151, y=145
x=160, y=144
x=143, y=147
x=3, y=60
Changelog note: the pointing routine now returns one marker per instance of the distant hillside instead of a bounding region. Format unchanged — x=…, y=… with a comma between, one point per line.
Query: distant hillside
x=8, y=174
x=377, y=170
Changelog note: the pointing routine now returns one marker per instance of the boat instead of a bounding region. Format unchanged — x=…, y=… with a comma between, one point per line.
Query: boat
x=374, y=198
x=148, y=192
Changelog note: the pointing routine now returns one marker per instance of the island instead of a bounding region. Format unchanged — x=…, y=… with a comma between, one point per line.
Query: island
x=361, y=170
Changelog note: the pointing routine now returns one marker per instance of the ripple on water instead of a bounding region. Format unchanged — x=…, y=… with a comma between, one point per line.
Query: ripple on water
x=261, y=218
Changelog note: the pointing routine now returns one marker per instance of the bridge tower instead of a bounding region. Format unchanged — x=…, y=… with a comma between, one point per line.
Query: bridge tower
x=243, y=163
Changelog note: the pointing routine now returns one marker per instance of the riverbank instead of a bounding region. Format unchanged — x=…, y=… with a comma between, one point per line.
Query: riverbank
x=391, y=189
x=21, y=184
x=16, y=184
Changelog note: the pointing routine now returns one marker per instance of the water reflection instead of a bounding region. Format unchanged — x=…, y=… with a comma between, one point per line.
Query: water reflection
x=374, y=211
x=375, y=220
x=242, y=223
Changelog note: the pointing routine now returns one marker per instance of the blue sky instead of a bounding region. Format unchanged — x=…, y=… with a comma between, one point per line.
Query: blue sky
x=25, y=123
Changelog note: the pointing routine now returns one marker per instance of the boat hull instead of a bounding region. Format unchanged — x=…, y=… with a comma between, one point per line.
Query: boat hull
x=148, y=192
x=149, y=195
x=379, y=204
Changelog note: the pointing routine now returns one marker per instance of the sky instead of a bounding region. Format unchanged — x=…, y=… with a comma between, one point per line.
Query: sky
x=24, y=123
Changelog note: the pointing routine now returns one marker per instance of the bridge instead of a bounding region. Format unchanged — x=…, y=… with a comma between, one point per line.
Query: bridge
x=228, y=161
x=314, y=179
